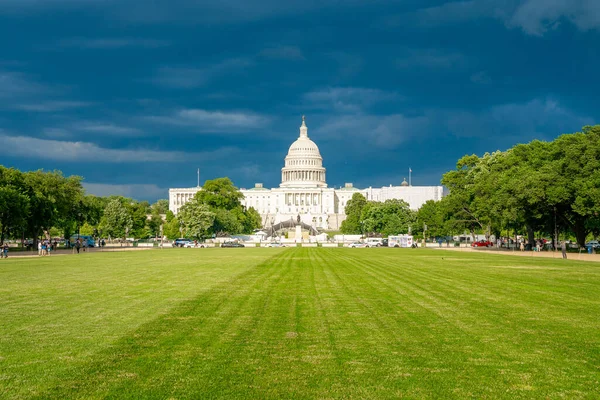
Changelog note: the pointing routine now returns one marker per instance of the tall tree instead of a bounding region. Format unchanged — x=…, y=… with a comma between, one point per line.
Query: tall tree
x=161, y=206
x=391, y=217
x=117, y=221
x=354, y=208
x=220, y=193
x=14, y=204
x=196, y=218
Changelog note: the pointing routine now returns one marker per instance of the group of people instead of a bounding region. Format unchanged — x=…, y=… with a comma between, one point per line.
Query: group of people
x=4, y=250
x=45, y=247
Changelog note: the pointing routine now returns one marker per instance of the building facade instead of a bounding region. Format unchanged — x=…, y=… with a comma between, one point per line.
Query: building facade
x=303, y=191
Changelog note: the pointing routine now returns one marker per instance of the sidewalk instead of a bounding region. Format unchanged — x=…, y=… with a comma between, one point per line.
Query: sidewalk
x=65, y=252
x=583, y=256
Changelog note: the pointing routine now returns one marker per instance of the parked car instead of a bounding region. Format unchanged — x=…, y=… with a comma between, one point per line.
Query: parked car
x=374, y=242
x=594, y=244
x=357, y=245
x=232, y=244
x=181, y=242
x=275, y=244
x=482, y=243
x=194, y=244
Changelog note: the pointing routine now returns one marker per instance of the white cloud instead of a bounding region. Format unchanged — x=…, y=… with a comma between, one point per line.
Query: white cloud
x=76, y=151
x=190, y=77
x=214, y=121
x=347, y=99
x=52, y=106
x=104, y=127
x=111, y=43
x=534, y=17
x=134, y=190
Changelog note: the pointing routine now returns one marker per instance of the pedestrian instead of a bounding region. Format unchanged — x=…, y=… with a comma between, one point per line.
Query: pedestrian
x=77, y=245
x=40, y=248
x=5, y=250
x=563, y=248
x=522, y=246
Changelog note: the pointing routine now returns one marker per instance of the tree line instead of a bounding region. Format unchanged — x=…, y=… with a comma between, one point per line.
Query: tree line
x=535, y=189
x=47, y=204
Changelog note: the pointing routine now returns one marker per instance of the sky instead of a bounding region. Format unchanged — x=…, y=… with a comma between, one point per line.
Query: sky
x=136, y=95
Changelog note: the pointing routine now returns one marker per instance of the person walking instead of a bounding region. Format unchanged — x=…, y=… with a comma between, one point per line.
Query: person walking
x=77, y=245
x=522, y=246
x=5, y=250
x=40, y=248
x=563, y=248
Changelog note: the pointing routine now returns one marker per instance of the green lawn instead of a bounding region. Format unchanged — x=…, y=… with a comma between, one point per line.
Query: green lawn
x=299, y=323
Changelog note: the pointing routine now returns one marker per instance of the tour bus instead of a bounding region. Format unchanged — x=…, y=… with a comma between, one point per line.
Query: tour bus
x=84, y=238
x=400, y=241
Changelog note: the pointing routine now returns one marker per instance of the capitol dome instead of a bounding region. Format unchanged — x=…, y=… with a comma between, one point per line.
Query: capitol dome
x=303, y=163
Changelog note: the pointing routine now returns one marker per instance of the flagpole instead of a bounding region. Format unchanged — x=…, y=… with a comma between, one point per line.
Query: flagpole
x=198, y=177
x=409, y=176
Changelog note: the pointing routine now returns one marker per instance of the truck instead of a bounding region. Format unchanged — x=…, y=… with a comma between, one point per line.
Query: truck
x=400, y=241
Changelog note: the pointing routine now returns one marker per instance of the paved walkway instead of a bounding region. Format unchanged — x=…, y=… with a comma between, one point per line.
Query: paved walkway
x=583, y=256
x=65, y=252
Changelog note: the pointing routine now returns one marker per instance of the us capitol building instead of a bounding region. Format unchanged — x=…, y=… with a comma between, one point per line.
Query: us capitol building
x=303, y=191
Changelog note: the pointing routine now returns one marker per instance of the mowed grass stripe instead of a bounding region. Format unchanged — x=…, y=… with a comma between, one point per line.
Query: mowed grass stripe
x=354, y=323
x=526, y=339
x=57, y=311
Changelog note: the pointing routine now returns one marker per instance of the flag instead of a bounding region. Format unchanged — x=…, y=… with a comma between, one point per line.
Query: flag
x=409, y=170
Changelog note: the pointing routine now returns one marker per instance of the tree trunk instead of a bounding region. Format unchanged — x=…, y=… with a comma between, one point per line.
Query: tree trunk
x=530, y=235
x=580, y=231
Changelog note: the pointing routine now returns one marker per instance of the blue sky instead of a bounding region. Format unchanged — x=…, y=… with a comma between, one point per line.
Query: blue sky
x=135, y=95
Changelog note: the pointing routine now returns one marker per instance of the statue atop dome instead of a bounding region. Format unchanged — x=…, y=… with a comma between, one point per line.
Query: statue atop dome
x=303, y=128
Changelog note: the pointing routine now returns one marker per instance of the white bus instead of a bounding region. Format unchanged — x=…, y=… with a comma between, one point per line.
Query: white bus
x=400, y=241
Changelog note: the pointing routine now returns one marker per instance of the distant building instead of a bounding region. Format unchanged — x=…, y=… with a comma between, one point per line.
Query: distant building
x=303, y=191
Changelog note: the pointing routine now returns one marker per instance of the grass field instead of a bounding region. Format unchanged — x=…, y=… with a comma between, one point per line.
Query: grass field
x=299, y=323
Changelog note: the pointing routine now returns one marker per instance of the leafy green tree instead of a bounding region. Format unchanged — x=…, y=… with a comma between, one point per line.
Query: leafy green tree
x=250, y=220
x=171, y=228
x=431, y=214
x=117, y=221
x=86, y=229
x=14, y=203
x=153, y=224
x=196, y=218
x=354, y=209
x=220, y=193
x=388, y=218
x=161, y=206
x=55, y=200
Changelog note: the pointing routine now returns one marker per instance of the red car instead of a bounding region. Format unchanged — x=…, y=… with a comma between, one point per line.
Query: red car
x=482, y=243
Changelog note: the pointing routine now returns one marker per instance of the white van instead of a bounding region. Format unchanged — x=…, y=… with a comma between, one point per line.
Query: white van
x=374, y=242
